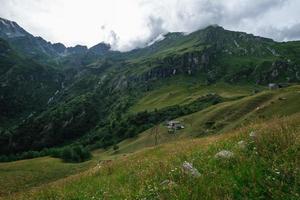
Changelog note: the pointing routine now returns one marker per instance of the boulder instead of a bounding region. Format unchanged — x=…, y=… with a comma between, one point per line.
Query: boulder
x=224, y=154
x=189, y=169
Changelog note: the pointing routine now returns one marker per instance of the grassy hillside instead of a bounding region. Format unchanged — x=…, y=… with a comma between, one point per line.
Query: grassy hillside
x=22, y=175
x=265, y=168
x=183, y=90
x=213, y=124
x=223, y=117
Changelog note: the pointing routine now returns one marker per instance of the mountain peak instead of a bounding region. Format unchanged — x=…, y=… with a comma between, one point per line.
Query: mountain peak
x=5, y=21
x=10, y=29
x=173, y=35
x=101, y=45
x=59, y=47
x=100, y=48
x=78, y=49
x=214, y=26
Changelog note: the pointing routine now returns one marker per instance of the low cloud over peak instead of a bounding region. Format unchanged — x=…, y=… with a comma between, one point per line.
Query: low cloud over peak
x=128, y=24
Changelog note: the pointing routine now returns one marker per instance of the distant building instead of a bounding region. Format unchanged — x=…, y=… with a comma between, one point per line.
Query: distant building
x=174, y=125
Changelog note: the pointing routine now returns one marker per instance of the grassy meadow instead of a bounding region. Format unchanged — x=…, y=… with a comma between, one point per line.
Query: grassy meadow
x=182, y=91
x=267, y=168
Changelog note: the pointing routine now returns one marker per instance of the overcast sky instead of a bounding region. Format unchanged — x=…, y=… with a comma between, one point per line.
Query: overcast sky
x=128, y=24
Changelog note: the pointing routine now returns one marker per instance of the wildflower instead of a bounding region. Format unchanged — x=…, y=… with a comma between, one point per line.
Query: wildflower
x=252, y=134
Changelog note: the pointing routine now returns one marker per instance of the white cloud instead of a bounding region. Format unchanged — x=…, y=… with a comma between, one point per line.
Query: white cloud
x=128, y=24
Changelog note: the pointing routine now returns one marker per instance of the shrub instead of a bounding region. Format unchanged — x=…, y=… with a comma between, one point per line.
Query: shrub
x=3, y=158
x=75, y=154
x=56, y=153
x=116, y=147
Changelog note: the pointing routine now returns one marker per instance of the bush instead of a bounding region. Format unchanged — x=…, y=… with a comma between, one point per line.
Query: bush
x=116, y=147
x=75, y=154
x=29, y=155
x=69, y=154
x=22, y=156
x=3, y=158
x=56, y=153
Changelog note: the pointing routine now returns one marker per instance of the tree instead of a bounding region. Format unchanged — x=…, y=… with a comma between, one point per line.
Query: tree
x=75, y=154
x=66, y=154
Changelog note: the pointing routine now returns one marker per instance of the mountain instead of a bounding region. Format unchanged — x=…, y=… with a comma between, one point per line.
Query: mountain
x=98, y=97
x=78, y=49
x=59, y=47
x=100, y=49
x=10, y=29
x=218, y=54
x=39, y=49
x=24, y=42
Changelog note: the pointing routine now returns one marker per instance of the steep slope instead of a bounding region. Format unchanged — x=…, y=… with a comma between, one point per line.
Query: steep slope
x=10, y=29
x=217, y=54
x=222, y=117
x=24, y=42
x=25, y=85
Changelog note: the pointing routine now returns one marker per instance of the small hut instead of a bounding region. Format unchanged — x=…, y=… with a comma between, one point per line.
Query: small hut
x=174, y=125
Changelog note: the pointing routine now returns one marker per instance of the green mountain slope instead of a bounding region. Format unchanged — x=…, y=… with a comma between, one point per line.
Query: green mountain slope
x=25, y=85
x=222, y=117
x=100, y=98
